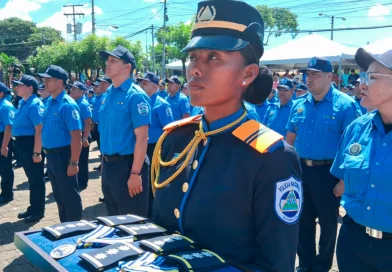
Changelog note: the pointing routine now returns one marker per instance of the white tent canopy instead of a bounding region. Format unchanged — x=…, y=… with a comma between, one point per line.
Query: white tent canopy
x=380, y=46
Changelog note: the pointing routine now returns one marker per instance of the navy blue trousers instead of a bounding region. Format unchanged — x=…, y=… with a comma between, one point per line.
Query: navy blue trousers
x=118, y=201
x=65, y=188
x=150, y=152
x=83, y=166
x=6, y=172
x=319, y=202
x=34, y=173
x=357, y=251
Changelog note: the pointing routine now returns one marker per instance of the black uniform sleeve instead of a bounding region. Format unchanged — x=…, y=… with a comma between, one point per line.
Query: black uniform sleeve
x=276, y=239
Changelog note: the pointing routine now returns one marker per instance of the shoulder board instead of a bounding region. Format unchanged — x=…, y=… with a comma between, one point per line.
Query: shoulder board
x=190, y=120
x=257, y=135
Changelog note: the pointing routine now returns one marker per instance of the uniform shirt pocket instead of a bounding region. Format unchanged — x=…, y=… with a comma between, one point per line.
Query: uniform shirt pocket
x=299, y=123
x=356, y=175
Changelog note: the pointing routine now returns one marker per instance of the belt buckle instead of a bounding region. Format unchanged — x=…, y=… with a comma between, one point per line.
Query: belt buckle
x=374, y=233
x=309, y=163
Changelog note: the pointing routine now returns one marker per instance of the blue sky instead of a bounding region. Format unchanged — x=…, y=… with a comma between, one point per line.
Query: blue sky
x=134, y=15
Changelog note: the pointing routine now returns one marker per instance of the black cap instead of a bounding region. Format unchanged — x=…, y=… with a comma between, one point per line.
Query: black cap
x=4, y=89
x=364, y=59
x=55, y=71
x=226, y=26
x=150, y=77
x=80, y=86
x=173, y=79
x=27, y=80
x=121, y=53
x=318, y=64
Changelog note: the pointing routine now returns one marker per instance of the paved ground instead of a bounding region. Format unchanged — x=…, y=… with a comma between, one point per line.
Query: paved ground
x=11, y=259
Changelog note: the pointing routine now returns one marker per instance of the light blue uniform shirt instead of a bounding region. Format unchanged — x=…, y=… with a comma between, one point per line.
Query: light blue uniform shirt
x=320, y=127
x=197, y=111
x=277, y=116
x=122, y=111
x=162, y=94
x=358, y=101
x=97, y=106
x=161, y=116
x=7, y=114
x=179, y=105
x=45, y=101
x=85, y=110
x=251, y=109
x=367, y=174
x=262, y=109
x=61, y=117
x=28, y=115
x=91, y=101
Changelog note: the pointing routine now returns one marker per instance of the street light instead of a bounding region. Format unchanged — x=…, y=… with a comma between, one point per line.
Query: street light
x=332, y=21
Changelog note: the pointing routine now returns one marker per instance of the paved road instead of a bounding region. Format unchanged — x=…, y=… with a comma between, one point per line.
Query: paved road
x=11, y=259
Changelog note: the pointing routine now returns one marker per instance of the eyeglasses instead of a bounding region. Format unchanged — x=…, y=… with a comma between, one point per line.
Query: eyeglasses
x=369, y=76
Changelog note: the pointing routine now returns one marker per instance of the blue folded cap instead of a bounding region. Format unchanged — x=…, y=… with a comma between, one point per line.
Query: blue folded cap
x=4, y=88
x=150, y=77
x=121, y=53
x=27, y=80
x=286, y=83
x=80, y=86
x=173, y=79
x=318, y=64
x=55, y=71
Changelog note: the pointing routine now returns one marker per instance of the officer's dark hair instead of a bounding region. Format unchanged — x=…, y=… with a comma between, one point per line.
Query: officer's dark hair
x=259, y=90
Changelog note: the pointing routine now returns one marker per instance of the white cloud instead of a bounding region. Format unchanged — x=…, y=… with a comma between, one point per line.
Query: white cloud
x=156, y=13
x=21, y=8
x=378, y=11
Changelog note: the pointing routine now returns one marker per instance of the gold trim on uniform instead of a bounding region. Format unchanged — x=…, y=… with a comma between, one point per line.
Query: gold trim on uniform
x=219, y=24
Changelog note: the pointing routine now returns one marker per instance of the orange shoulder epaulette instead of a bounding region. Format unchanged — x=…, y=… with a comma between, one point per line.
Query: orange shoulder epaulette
x=257, y=135
x=190, y=120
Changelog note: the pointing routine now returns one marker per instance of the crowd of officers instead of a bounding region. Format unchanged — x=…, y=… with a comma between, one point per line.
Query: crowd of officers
x=58, y=121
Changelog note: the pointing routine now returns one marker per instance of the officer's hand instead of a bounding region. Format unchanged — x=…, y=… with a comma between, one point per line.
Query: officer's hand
x=37, y=159
x=86, y=143
x=4, y=151
x=72, y=170
x=135, y=185
x=339, y=189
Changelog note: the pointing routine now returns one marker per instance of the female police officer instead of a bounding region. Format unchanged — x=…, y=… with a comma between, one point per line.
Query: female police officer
x=27, y=131
x=224, y=180
x=364, y=166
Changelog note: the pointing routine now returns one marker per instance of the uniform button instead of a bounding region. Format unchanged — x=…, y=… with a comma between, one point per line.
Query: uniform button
x=377, y=163
x=368, y=208
x=177, y=213
x=373, y=185
x=195, y=164
x=185, y=187
x=310, y=132
x=384, y=144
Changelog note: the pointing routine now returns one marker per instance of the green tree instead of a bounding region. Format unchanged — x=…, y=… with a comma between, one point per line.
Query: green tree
x=135, y=48
x=44, y=36
x=277, y=20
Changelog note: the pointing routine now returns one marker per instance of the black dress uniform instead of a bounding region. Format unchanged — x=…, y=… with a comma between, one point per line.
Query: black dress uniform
x=233, y=186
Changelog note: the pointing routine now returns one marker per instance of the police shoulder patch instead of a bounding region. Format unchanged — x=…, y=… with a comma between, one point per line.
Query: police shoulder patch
x=75, y=114
x=257, y=135
x=288, y=200
x=183, y=122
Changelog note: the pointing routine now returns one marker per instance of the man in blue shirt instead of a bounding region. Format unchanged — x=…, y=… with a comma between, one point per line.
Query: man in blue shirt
x=315, y=127
x=357, y=96
x=363, y=165
x=7, y=114
x=124, y=118
x=43, y=93
x=301, y=91
x=77, y=91
x=91, y=97
x=277, y=114
x=62, y=143
x=161, y=116
x=178, y=101
x=162, y=90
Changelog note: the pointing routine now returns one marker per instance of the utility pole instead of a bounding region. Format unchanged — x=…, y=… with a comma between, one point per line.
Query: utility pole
x=153, y=49
x=93, y=16
x=164, y=38
x=332, y=22
x=146, y=51
x=73, y=14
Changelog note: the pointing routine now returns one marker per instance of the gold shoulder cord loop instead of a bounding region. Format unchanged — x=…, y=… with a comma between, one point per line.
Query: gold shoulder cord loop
x=188, y=151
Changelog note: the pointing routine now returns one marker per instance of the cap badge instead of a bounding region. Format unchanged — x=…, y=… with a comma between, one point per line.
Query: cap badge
x=355, y=149
x=313, y=62
x=205, y=14
x=300, y=110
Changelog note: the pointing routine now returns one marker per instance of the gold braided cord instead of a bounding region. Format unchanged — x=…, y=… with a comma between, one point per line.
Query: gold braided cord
x=188, y=151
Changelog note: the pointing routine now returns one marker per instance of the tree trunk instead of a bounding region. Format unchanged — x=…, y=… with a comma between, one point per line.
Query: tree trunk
x=183, y=68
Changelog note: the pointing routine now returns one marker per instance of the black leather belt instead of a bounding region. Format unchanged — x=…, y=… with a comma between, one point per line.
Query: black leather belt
x=113, y=158
x=316, y=162
x=55, y=150
x=377, y=234
x=20, y=138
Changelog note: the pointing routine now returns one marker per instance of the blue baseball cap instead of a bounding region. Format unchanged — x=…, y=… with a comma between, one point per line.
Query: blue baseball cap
x=286, y=83
x=105, y=79
x=91, y=91
x=4, y=88
x=27, y=80
x=55, y=71
x=80, y=86
x=150, y=77
x=318, y=64
x=122, y=53
x=41, y=87
x=173, y=79
x=96, y=83
x=226, y=26
x=301, y=87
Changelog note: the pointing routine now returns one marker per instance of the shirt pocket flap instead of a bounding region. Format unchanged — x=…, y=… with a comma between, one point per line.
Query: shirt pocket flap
x=355, y=162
